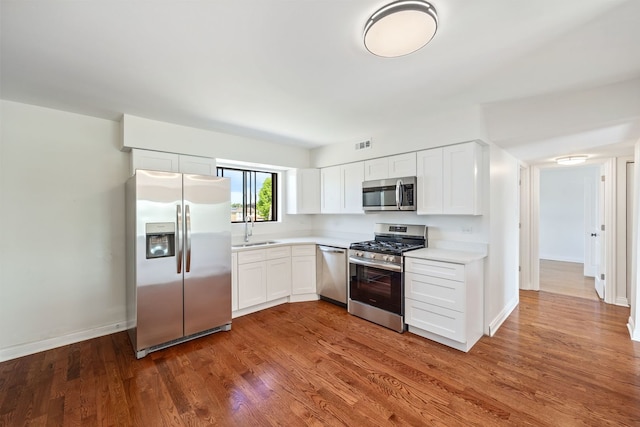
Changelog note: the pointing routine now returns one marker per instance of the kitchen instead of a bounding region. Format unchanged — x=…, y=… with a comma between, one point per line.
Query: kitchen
x=81, y=264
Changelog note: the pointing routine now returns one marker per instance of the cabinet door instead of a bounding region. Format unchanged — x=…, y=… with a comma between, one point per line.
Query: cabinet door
x=197, y=165
x=434, y=290
x=402, y=165
x=461, y=181
x=154, y=160
x=429, y=181
x=441, y=321
x=252, y=284
x=330, y=189
x=303, y=274
x=376, y=169
x=278, y=278
x=352, y=177
x=303, y=191
x=234, y=281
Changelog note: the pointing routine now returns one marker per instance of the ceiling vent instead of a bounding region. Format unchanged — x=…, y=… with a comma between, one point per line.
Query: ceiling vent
x=363, y=145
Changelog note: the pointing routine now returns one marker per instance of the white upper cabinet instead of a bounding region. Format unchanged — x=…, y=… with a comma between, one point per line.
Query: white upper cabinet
x=303, y=191
x=330, y=189
x=352, y=175
x=376, y=169
x=449, y=180
x=462, y=180
x=197, y=165
x=154, y=160
x=402, y=165
x=390, y=167
x=429, y=181
x=171, y=162
x=341, y=188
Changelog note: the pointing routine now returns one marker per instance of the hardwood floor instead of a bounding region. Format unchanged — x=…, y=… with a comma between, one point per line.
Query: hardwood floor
x=556, y=361
x=566, y=278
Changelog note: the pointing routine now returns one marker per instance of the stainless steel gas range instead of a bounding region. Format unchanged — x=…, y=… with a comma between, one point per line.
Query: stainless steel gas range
x=376, y=273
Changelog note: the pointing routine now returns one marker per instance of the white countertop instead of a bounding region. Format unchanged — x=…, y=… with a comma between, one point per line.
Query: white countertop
x=446, y=255
x=309, y=240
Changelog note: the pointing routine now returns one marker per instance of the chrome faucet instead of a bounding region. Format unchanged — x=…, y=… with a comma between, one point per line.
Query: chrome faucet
x=248, y=232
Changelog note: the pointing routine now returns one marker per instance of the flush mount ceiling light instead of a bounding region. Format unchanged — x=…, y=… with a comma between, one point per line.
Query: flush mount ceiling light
x=571, y=160
x=400, y=28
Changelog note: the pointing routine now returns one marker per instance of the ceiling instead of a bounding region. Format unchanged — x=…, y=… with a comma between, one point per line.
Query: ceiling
x=550, y=76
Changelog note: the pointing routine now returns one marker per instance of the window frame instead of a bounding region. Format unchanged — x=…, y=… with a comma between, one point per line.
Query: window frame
x=249, y=180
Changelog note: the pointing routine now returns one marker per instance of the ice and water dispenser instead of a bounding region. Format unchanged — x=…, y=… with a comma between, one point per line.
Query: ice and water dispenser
x=161, y=239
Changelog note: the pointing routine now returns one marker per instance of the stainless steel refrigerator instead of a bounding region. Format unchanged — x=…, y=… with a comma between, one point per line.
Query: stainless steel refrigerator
x=178, y=258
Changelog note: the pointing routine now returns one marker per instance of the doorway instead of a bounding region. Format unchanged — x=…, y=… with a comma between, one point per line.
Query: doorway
x=569, y=235
x=608, y=169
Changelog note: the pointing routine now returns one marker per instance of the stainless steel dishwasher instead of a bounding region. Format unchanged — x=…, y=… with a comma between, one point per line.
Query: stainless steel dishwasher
x=332, y=274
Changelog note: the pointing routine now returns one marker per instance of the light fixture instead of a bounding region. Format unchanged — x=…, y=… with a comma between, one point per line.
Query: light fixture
x=571, y=160
x=400, y=28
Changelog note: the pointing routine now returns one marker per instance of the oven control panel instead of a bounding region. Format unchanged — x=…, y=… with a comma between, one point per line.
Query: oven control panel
x=373, y=256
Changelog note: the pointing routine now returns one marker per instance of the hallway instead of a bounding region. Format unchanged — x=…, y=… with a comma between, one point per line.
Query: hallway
x=566, y=278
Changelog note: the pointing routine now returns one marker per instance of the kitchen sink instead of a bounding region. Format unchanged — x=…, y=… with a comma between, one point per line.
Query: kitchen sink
x=246, y=245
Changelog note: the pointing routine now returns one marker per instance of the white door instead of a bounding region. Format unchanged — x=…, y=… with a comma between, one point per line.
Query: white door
x=590, y=225
x=599, y=238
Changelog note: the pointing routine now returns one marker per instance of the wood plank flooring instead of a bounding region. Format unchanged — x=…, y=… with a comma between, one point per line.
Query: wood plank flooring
x=556, y=361
x=566, y=278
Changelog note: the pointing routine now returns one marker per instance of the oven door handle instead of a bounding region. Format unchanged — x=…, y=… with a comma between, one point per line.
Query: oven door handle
x=381, y=265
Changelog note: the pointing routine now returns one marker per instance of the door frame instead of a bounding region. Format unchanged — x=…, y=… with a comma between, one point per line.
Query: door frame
x=609, y=245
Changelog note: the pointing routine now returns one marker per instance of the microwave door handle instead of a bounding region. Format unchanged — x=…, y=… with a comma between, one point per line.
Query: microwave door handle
x=178, y=230
x=399, y=193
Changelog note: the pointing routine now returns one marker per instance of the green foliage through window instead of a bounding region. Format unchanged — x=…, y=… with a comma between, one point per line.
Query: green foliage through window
x=253, y=194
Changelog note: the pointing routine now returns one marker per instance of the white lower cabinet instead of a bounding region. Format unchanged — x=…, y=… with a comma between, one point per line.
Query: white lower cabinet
x=444, y=301
x=278, y=272
x=263, y=275
x=234, y=281
x=252, y=278
x=303, y=269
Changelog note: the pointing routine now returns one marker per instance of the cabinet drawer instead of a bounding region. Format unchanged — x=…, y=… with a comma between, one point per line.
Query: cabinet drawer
x=445, y=270
x=245, y=257
x=303, y=250
x=441, y=321
x=444, y=293
x=279, y=252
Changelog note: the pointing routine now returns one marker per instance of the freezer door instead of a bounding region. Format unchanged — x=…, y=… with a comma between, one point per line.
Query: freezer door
x=158, y=200
x=207, y=274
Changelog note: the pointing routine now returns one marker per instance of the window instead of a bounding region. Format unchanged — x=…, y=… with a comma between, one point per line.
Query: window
x=253, y=193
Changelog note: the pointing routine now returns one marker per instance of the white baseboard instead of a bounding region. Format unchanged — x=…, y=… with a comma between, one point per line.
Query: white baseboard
x=504, y=314
x=20, y=350
x=623, y=301
x=633, y=331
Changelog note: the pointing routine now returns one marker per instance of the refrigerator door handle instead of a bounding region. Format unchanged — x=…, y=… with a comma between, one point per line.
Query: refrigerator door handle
x=187, y=237
x=178, y=230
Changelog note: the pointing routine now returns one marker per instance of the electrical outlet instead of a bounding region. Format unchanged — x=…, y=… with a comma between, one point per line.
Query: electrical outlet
x=467, y=229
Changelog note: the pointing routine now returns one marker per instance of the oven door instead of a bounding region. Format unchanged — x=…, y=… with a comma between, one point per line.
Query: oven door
x=376, y=285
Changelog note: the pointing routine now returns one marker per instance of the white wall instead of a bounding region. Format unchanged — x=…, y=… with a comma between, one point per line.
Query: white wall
x=62, y=248
x=562, y=212
x=168, y=137
x=501, y=279
x=443, y=127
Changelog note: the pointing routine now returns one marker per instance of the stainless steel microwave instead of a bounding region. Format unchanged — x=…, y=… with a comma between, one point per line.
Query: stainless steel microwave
x=394, y=194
